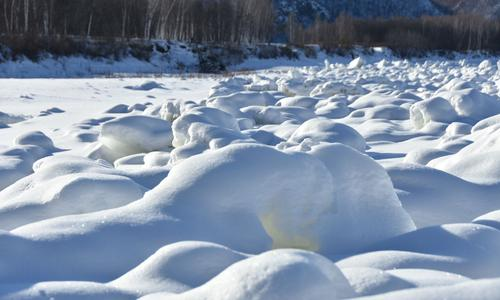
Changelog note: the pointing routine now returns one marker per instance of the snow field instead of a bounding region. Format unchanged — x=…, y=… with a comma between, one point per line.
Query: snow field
x=370, y=178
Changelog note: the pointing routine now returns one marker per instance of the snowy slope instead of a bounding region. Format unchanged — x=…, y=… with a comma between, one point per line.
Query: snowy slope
x=306, y=11
x=488, y=8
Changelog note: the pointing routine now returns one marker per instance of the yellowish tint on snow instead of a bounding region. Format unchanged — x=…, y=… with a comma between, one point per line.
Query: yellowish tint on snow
x=283, y=239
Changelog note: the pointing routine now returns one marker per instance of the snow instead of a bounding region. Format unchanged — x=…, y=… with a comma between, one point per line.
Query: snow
x=133, y=134
x=170, y=268
x=356, y=63
x=481, y=289
x=323, y=130
x=374, y=177
x=146, y=86
x=292, y=274
x=432, y=110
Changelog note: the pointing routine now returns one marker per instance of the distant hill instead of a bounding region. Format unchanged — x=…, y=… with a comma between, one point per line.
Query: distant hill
x=307, y=10
x=488, y=8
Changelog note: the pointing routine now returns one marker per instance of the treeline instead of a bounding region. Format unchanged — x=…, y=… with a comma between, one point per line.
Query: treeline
x=34, y=26
x=449, y=33
x=221, y=21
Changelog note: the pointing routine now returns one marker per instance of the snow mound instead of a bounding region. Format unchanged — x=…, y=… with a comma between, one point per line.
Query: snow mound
x=229, y=86
x=156, y=159
x=457, y=129
x=6, y=118
x=118, y=109
x=379, y=97
x=54, y=190
x=279, y=274
x=491, y=219
x=365, y=200
x=476, y=290
x=146, y=86
x=445, y=198
x=324, y=130
x=295, y=83
x=330, y=88
x=485, y=65
x=134, y=134
x=424, y=156
x=258, y=211
x=232, y=104
x=432, y=110
x=388, y=112
x=260, y=84
x=300, y=101
x=75, y=290
x=486, y=123
x=472, y=104
x=370, y=281
x=178, y=268
x=477, y=162
x=292, y=203
x=471, y=249
x=16, y=162
x=171, y=110
x=263, y=115
x=333, y=110
x=356, y=63
x=203, y=128
x=36, y=138
x=50, y=111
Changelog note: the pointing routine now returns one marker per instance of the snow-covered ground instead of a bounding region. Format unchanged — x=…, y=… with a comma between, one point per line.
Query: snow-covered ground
x=375, y=178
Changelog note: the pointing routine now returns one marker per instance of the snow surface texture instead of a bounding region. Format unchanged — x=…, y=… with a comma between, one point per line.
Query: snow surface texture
x=371, y=178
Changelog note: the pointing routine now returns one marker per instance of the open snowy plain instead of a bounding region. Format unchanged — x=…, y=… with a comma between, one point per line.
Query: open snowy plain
x=375, y=179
